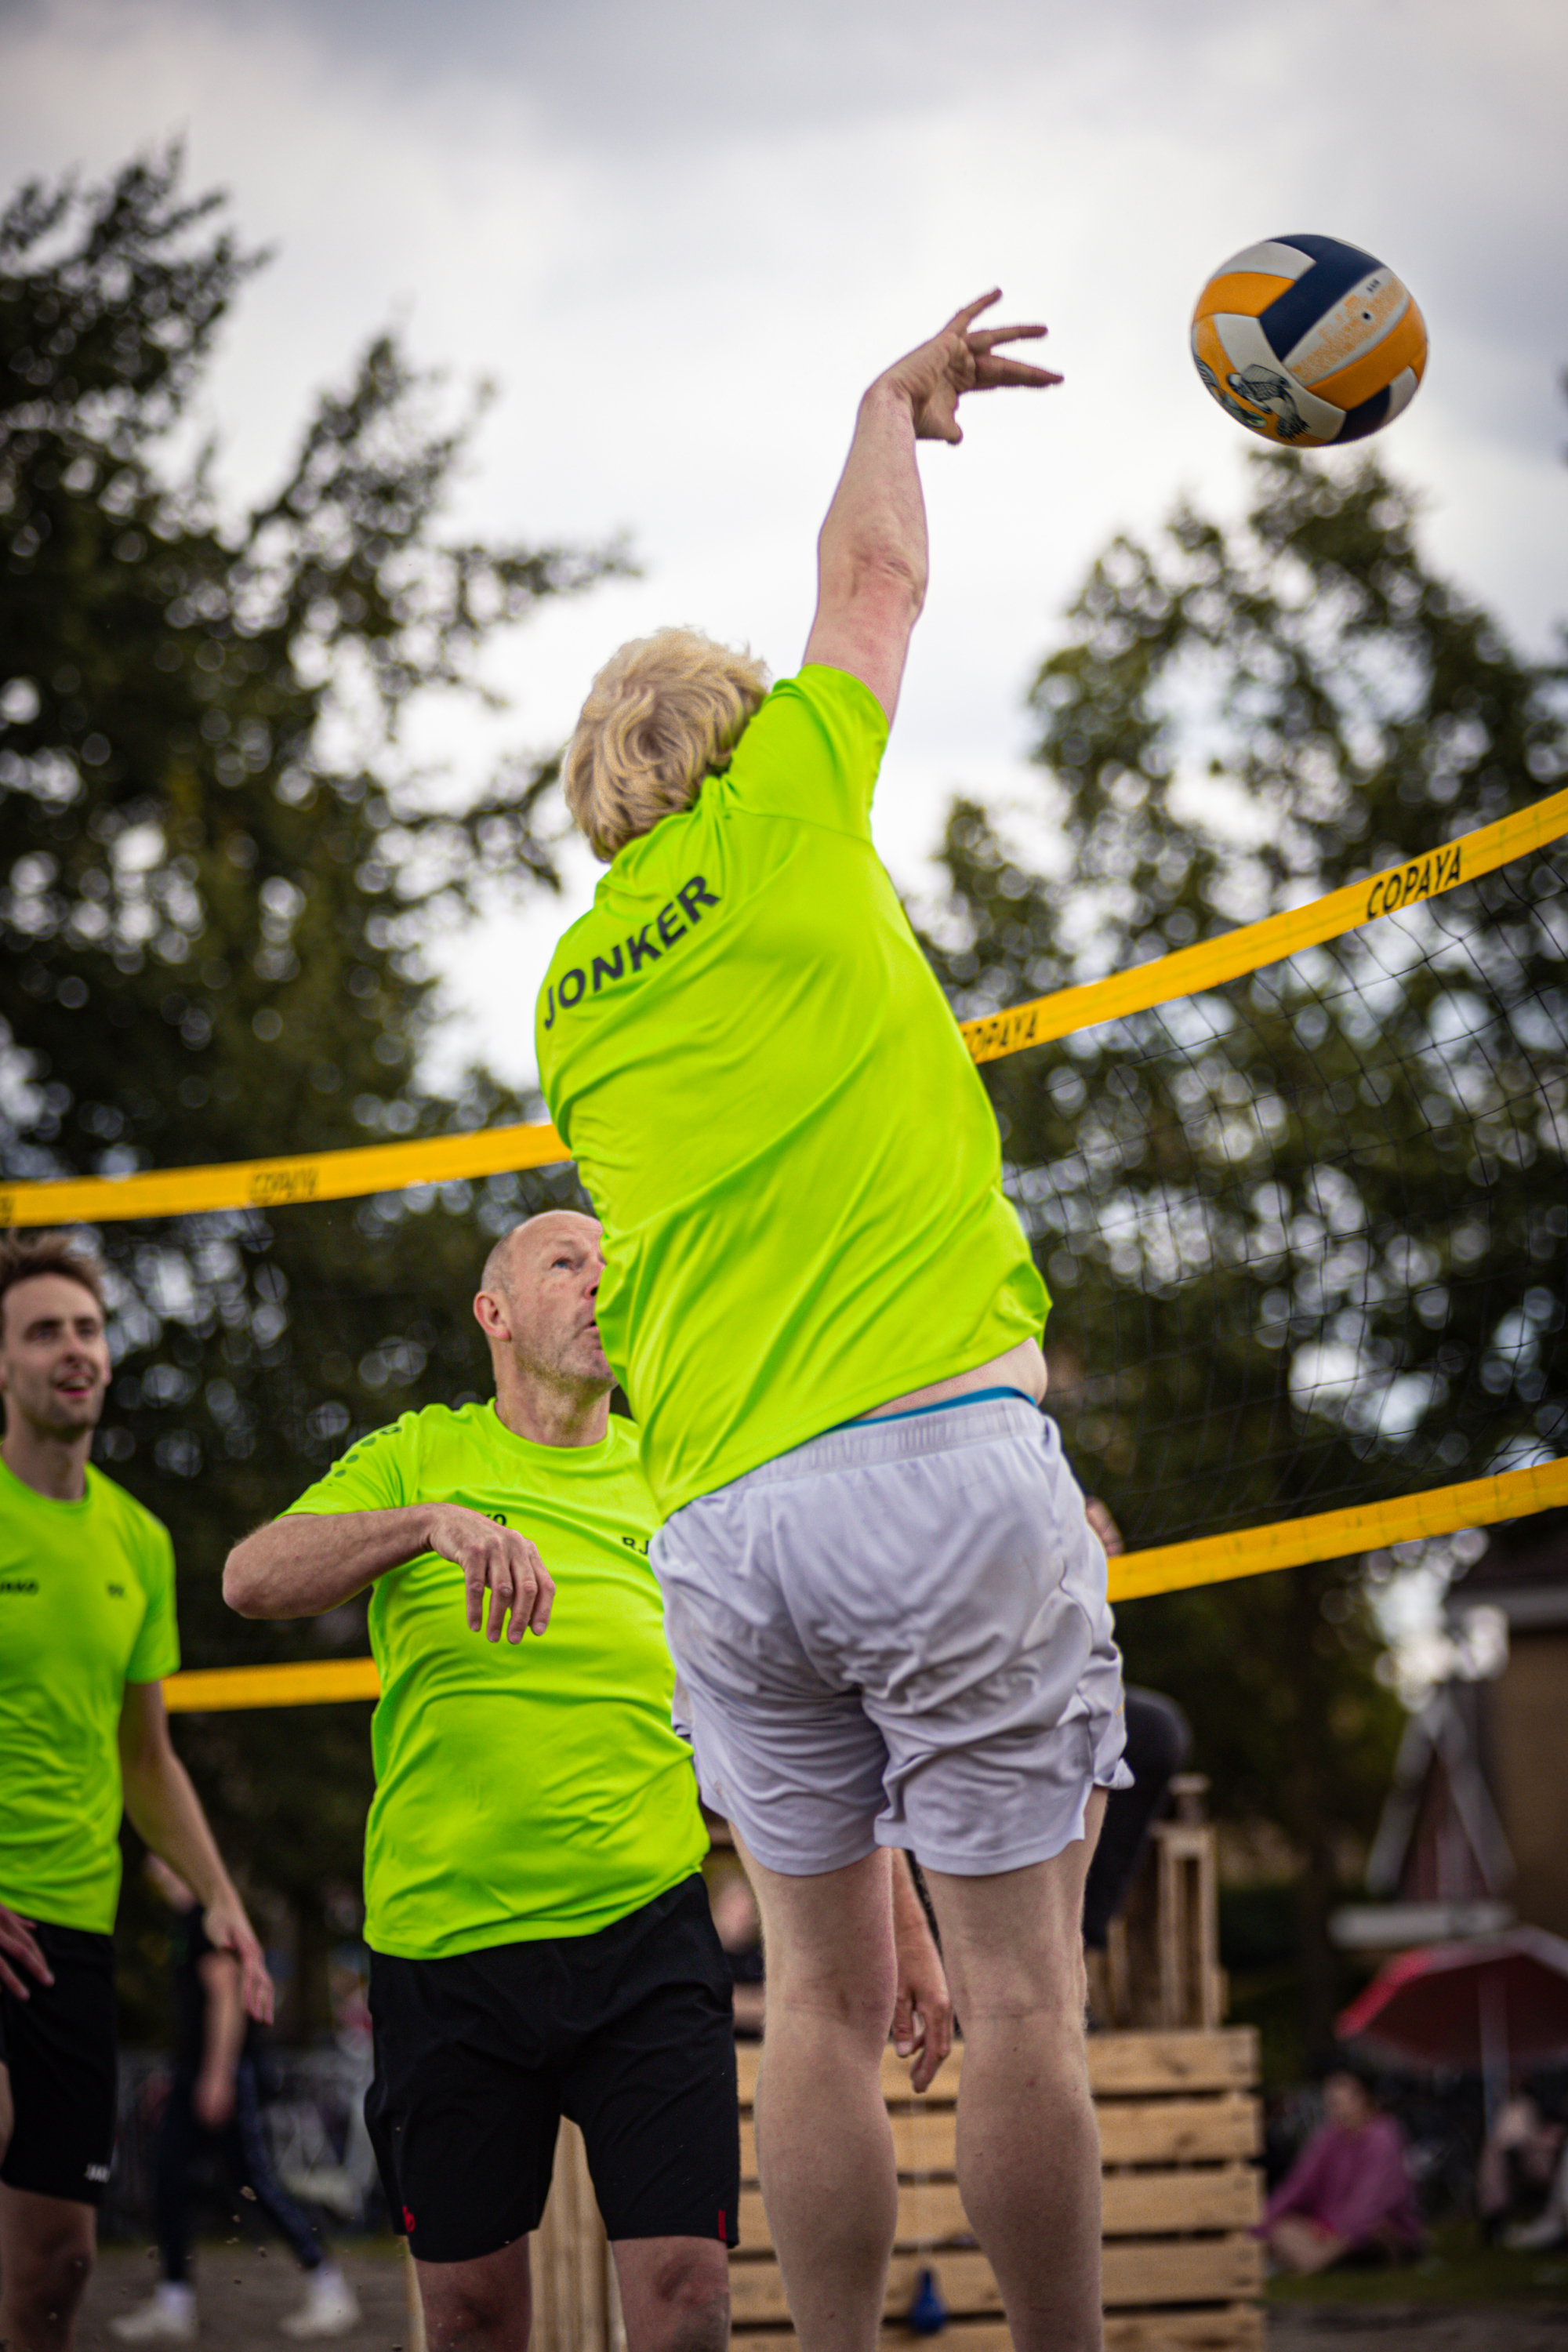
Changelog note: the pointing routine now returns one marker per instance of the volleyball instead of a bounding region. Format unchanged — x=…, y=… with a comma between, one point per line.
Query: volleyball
x=1308, y=341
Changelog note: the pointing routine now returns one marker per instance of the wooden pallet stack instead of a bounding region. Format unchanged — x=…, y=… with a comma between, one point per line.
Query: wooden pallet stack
x=576, y=2305
x=1179, y=2133
x=1180, y=2129
x=1161, y=1965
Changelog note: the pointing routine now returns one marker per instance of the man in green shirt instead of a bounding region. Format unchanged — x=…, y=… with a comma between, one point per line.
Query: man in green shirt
x=887, y=1609
x=87, y=1632
x=539, y=1935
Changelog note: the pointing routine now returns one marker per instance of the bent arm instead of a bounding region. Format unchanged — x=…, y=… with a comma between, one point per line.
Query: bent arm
x=223, y=2029
x=306, y=1562
x=223, y=2036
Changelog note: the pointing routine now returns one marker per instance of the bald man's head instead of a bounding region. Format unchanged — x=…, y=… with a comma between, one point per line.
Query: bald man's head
x=494, y=1274
x=536, y=1299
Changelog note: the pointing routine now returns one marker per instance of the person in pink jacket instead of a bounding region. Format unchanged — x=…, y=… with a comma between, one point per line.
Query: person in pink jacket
x=1348, y=2195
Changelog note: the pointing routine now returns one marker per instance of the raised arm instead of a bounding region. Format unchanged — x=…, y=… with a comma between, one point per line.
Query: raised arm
x=872, y=555
x=307, y=1561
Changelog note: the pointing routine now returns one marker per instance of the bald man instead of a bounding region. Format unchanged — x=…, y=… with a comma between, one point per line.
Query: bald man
x=541, y=1940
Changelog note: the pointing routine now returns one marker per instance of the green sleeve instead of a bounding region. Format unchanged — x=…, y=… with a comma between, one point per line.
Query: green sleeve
x=157, y=1650
x=379, y=1473
x=812, y=753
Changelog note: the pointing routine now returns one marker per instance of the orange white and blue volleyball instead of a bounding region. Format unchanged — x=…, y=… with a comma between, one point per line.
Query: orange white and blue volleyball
x=1308, y=341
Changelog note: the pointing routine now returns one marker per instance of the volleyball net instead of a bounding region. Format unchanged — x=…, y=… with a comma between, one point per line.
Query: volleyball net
x=1299, y=1189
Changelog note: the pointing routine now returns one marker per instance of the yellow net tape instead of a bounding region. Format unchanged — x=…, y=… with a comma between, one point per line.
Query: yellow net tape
x=274, y=1183
x=1340, y=1534
x=1211, y=961
x=1168, y=1568
x=434, y=1160
x=308, y=1682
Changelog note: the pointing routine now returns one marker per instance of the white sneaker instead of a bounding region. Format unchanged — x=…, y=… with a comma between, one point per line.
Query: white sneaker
x=1536, y=2237
x=331, y=2306
x=168, y=2316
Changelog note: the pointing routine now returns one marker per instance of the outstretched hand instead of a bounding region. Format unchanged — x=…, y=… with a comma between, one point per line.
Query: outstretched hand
x=962, y=358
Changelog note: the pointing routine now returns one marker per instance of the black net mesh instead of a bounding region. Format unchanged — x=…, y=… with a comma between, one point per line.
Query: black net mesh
x=1307, y=1233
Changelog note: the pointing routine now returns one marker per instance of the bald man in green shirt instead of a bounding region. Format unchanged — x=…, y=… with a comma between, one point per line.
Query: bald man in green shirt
x=539, y=1935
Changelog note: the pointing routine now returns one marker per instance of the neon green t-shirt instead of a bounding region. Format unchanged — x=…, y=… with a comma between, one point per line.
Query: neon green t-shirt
x=87, y=1605
x=529, y=1789
x=794, y=1159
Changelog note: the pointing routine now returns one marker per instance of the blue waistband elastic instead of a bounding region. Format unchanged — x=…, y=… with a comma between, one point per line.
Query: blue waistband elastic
x=942, y=1404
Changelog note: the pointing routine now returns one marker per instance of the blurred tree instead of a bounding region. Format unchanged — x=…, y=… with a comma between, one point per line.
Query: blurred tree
x=1306, y=1231
x=220, y=875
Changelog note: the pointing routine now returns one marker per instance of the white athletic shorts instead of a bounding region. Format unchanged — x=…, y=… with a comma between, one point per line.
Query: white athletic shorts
x=898, y=1634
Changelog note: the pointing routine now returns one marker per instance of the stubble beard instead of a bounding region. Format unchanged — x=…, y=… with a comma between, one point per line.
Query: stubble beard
x=58, y=1423
x=569, y=1366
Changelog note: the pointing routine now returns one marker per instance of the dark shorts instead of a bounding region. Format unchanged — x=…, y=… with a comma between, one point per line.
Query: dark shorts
x=60, y=2046
x=628, y=2033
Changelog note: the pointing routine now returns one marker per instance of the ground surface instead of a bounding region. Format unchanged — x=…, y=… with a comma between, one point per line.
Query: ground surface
x=1461, y=2297
x=245, y=2291
x=1414, y=2327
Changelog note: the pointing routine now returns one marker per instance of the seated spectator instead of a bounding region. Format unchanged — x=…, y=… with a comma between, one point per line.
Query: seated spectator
x=1523, y=2178
x=1348, y=2197
x=739, y=1930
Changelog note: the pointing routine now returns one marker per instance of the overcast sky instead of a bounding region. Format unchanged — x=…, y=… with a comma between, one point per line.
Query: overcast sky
x=681, y=238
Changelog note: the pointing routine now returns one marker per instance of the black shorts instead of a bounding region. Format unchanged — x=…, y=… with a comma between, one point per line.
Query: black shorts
x=59, y=2047
x=628, y=2033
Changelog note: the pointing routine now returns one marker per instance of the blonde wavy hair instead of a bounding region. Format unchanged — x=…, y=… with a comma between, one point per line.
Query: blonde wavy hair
x=663, y=713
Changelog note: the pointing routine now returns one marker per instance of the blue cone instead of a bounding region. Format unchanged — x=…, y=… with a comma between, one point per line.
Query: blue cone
x=927, y=2314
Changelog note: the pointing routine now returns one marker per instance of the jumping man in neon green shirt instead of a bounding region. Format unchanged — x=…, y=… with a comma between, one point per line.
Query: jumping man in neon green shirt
x=887, y=1609
x=87, y=1632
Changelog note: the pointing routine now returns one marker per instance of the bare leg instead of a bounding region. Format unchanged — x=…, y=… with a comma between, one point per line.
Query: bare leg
x=46, y=2246
x=485, y=2306
x=675, y=2294
x=824, y=2144
x=1300, y=2246
x=1028, y=2149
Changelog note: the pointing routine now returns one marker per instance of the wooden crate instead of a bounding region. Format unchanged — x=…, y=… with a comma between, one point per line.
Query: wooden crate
x=576, y=2305
x=1180, y=2132
x=1161, y=1965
